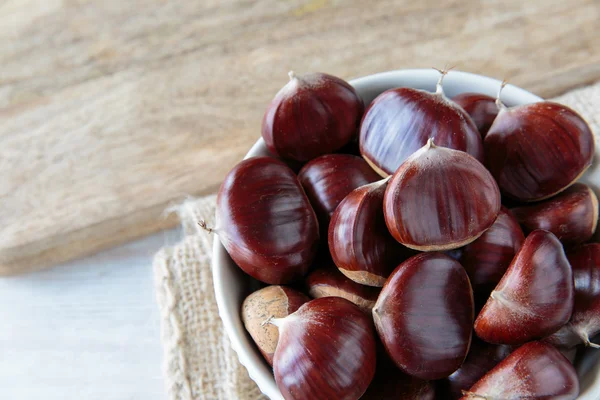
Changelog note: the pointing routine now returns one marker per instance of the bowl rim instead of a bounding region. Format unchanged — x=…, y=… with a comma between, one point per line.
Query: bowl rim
x=368, y=87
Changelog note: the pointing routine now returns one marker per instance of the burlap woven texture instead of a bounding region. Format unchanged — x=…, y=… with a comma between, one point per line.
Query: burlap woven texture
x=199, y=361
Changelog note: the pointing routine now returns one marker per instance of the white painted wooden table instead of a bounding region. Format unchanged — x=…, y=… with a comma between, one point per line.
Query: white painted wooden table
x=86, y=330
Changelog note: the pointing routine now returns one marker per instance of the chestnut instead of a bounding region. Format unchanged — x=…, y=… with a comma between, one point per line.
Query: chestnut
x=533, y=371
x=534, y=298
x=329, y=281
x=399, y=122
x=585, y=321
x=537, y=150
x=440, y=199
x=482, y=358
x=572, y=215
x=481, y=108
x=424, y=315
x=279, y=301
x=326, y=350
x=265, y=221
x=359, y=241
x=330, y=178
x=487, y=258
x=312, y=115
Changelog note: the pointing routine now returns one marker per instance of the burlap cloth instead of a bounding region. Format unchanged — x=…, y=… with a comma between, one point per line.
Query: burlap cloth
x=199, y=361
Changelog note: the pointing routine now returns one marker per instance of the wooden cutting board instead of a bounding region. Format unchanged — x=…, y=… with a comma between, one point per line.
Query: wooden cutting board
x=112, y=110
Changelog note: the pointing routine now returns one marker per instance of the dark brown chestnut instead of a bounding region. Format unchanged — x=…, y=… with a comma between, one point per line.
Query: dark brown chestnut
x=534, y=298
x=399, y=122
x=328, y=281
x=481, y=108
x=265, y=221
x=312, y=115
x=326, y=350
x=487, y=258
x=585, y=321
x=330, y=178
x=533, y=371
x=424, y=315
x=572, y=215
x=277, y=301
x=481, y=359
x=440, y=199
x=537, y=150
x=359, y=241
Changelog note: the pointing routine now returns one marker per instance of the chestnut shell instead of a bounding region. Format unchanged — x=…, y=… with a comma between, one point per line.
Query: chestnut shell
x=572, y=215
x=585, y=321
x=278, y=301
x=312, y=115
x=266, y=222
x=481, y=108
x=326, y=350
x=533, y=371
x=328, y=281
x=440, y=199
x=400, y=121
x=424, y=315
x=359, y=241
x=482, y=358
x=328, y=179
x=487, y=258
x=534, y=298
x=537, y=150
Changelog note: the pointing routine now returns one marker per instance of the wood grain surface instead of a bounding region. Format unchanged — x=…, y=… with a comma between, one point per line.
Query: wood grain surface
x=111, y=110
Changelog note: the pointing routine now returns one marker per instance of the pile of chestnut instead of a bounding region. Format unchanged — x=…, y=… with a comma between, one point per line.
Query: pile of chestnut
x=423, y=248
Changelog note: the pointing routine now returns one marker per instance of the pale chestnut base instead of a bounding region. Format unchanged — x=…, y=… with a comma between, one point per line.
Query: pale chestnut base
x=381, y=173
x=364, y=277
x=330, y=291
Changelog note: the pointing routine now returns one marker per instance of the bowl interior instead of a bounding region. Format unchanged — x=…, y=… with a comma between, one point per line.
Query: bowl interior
x=232, y=285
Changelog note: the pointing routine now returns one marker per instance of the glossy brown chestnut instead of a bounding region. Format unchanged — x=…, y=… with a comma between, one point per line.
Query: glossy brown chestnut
x=392, y=384
x=359, y=241
x=400, y=121
x=312, y=115
x=534, y=298
x=537, y=150
x=326, y=350
x=328, y=281
x=572, y=215
x=266, y=222
x=487, y=258
x=330, y=178
x=277, y=301
x=482, y=358
x=585, y=321
x=424, y=315
x=481, y=108
x=440, y=199
x=534, y=371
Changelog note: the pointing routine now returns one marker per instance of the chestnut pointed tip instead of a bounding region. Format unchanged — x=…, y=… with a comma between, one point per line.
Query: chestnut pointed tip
x=439, y=85
x=202, y=224
x=501, y=106
x=430, y=144
x=278, y=322
x=472, y=395
x=292, y=75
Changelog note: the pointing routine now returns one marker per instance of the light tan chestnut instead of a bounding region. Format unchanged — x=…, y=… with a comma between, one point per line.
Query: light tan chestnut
x=440, y=199
x=276, y=301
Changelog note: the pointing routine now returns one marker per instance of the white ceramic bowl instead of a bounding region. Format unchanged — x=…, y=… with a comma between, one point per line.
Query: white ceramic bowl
x=232, y=285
